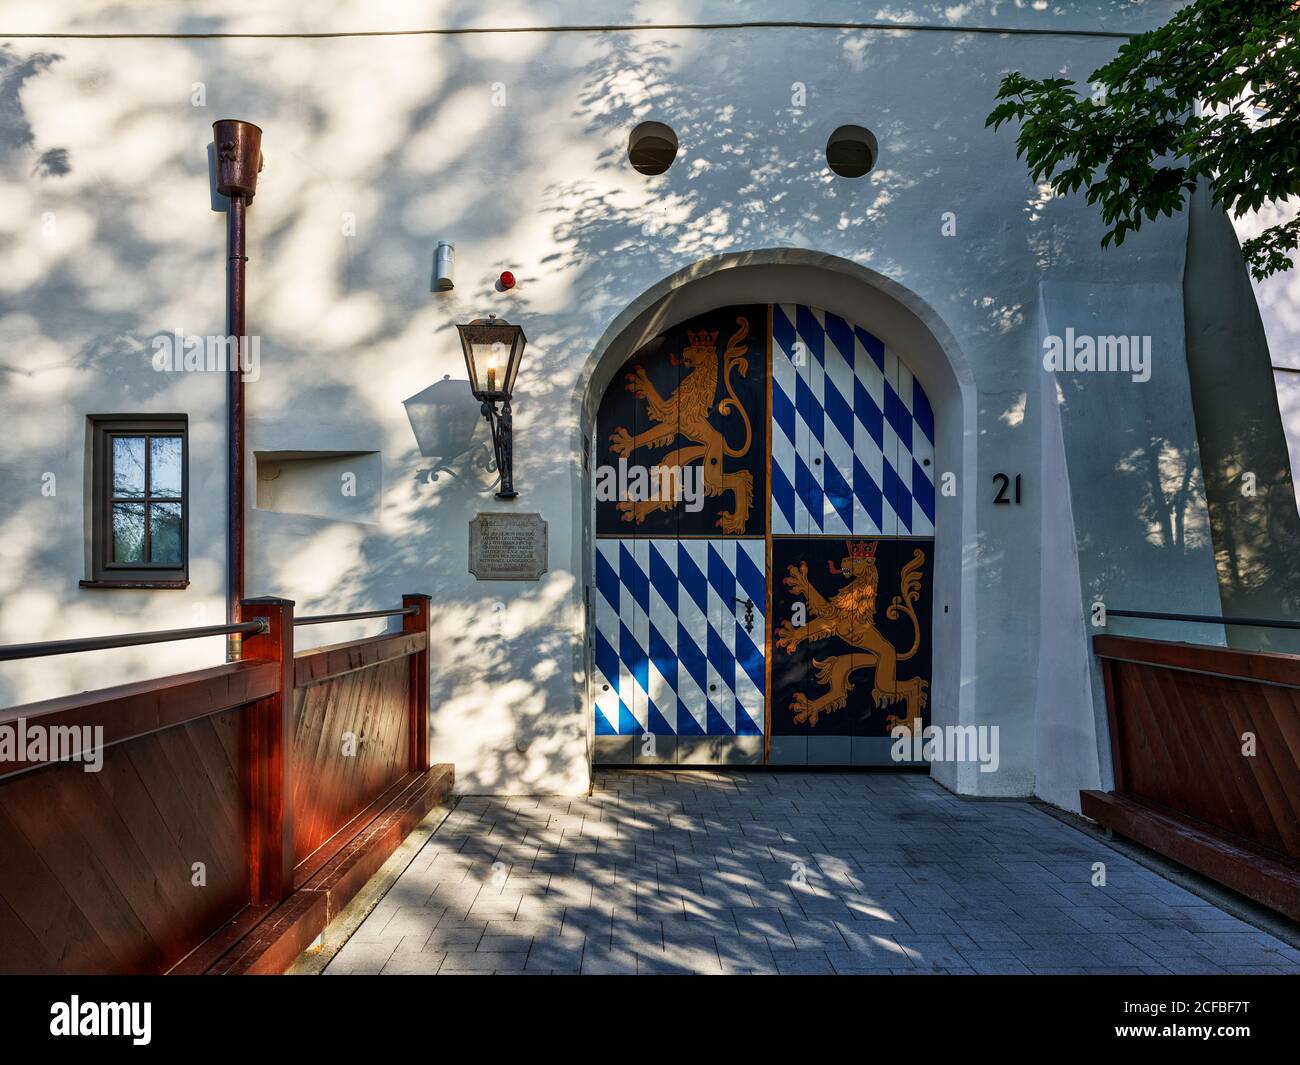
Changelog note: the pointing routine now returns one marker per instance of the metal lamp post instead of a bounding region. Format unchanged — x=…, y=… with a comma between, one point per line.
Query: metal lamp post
x=493, y=349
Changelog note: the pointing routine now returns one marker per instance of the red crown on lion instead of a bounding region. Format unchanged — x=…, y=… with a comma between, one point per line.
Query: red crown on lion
x=701, y=338
x=857, y=549
x=862, y=549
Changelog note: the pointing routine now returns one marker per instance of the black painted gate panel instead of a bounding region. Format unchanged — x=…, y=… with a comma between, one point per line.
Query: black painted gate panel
x=851, y=647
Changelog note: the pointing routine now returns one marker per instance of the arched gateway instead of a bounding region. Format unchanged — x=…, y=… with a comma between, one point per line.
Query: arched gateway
x=764, y=489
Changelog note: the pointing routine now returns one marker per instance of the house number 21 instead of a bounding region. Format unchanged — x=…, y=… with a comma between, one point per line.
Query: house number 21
x=1004, y=482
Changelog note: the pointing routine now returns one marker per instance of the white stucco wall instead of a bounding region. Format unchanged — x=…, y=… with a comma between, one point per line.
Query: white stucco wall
x=114, y=236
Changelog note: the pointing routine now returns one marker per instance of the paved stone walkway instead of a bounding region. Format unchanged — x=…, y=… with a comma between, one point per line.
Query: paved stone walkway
x=710, y=872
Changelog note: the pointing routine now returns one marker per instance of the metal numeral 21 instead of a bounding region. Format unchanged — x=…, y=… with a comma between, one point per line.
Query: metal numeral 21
x=1001, y=498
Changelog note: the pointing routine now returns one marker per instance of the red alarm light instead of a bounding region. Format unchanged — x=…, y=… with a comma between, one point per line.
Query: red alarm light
x=507, y=279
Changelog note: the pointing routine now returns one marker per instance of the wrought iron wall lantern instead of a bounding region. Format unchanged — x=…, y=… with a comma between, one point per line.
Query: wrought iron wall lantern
x=493, y=349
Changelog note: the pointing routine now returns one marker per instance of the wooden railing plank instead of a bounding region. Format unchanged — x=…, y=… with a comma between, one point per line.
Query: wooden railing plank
x=270, y=750
x=343, y=835
x=418, y=622
x=1266, y=877
x=278, y=939
x=323, y=663
x=1267, y=667
x=98, y=870
x=100, y=865
x=369, y=708
x=129, y=711
x=1188, y=783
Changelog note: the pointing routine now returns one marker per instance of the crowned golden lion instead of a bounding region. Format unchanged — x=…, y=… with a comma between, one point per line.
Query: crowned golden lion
x=850, y=615
x=686, y=412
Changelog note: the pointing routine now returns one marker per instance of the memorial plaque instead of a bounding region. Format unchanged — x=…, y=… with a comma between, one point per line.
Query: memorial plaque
x=507, y=547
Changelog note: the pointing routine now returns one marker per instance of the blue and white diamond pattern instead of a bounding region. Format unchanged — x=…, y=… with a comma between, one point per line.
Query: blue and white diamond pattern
x=852, y=432
x=673, y=655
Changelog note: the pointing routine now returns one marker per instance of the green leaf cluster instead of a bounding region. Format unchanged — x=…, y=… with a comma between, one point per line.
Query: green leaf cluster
x=1213, y=94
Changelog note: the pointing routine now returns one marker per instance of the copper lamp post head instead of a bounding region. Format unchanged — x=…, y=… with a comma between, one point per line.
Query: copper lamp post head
x=239, y=156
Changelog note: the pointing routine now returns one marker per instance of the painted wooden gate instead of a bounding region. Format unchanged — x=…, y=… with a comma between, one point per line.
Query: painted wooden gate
x=764, y=510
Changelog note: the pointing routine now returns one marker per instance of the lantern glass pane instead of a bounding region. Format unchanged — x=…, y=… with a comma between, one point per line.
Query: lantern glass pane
x=515, y=350
x=496, y=347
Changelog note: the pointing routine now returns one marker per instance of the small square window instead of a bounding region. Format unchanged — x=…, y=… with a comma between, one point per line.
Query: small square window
x=138, y=496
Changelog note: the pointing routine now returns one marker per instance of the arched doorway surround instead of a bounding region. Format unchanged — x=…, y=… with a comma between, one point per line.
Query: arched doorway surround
x=905, y=323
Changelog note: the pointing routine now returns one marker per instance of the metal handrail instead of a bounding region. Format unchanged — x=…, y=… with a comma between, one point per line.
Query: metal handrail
x=1266, y=623
x=131, y=639
x=16, y=651
x=360, y=615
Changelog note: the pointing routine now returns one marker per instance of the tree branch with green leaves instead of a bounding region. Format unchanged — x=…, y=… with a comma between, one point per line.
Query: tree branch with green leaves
x=1214, y=94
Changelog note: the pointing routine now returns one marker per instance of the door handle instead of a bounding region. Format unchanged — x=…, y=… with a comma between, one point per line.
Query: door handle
x=748, y=604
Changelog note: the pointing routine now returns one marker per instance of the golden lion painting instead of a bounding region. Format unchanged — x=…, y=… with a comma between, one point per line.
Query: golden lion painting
x=850, y=614
x=686, y=413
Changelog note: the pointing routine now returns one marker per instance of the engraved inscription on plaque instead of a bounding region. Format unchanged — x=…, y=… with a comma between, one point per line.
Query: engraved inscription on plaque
x=507, y=547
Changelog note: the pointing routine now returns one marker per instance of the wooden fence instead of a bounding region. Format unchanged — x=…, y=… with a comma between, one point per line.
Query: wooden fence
x=1205, y=744
x=236, y=808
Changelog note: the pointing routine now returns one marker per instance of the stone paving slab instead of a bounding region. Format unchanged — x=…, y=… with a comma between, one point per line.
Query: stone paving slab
x=758, y=873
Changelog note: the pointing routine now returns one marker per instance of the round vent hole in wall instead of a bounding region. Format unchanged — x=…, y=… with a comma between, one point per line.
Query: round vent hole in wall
x=851, y=151
x=651, y=148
